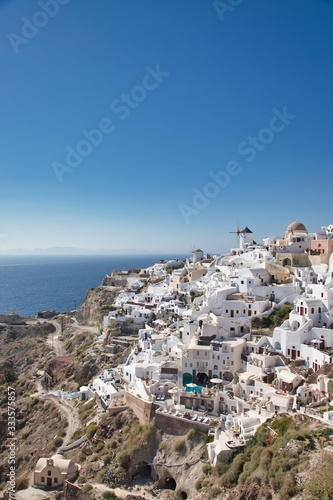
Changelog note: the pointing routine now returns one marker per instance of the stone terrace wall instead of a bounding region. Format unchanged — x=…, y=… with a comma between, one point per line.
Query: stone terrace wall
x=144, y=410
x=177, y=426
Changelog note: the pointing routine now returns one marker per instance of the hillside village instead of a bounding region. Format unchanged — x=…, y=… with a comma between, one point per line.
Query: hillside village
x=205, y=358
x=224, y=345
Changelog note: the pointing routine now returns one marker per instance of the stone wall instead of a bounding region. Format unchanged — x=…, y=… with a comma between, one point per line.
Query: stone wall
x=143, y=410
x=73, y=492
x=177, y=426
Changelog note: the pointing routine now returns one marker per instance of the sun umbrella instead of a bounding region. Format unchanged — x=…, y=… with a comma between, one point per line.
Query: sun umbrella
x=174, y=390
x=216, y=380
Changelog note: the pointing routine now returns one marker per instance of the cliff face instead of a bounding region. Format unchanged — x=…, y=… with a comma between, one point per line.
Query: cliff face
x=98, y=302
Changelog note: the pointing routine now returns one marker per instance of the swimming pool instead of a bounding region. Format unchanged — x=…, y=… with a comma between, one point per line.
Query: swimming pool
x=197, y=388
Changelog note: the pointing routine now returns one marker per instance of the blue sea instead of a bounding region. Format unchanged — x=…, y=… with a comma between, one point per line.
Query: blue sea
x=29, y=284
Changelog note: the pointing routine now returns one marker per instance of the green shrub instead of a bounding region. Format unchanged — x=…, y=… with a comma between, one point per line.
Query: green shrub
x=289, y=487
x=198, y=485
x=9, y=375
x=230, y=478
x=123, y=458
x=135, y=439
x=109, y=495
x=282, y=463
x=113, y=444
x=281, y=425
x=179, y=445
x=221, y=468
x=100, y=476
x=207, y=470
x=215, y=492
x=320, y=482
x=87, y=487
x=91, y=430
x=98, y=446
x=192, y=433
x=58, y=441
x=250, y=465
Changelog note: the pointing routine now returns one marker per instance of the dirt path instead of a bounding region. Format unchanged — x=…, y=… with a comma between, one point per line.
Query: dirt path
x=122, y=492
x=71, y=415
x=54, y=341
x=89, y=328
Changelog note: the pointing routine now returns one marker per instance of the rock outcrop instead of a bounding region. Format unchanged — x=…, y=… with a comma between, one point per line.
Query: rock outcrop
x=98, y=302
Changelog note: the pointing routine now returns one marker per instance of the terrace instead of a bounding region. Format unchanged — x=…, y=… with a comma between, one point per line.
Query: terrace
x=202, y=421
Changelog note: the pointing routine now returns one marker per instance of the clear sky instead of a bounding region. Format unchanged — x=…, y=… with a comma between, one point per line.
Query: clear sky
x=208, y=115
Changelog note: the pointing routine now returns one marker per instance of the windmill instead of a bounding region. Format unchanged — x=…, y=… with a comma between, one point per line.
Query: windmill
x=236, y=232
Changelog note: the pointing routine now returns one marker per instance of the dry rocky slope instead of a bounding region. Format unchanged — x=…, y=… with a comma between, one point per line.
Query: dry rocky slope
x=120, y=453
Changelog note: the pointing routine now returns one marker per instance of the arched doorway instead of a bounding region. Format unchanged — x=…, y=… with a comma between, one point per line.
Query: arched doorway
x=228, y=376
x=187, y=379
x=295, y=325
x=286, y=262
x=202, y=379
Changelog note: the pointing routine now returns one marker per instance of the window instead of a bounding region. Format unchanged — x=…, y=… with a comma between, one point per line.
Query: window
x=43, y=479
x=244, y=312
x=216, y=367
x=319, y=309
x=49, y=473
x=190, y=365
x=226, y=311
x=242, y=282
x=312, y=310
x=55, y=479
x=185, y=365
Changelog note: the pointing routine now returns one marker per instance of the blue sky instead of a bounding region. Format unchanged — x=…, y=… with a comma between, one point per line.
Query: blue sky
x=197, y=85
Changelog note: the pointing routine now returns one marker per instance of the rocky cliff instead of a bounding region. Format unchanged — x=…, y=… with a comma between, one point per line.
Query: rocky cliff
x=98, y=302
